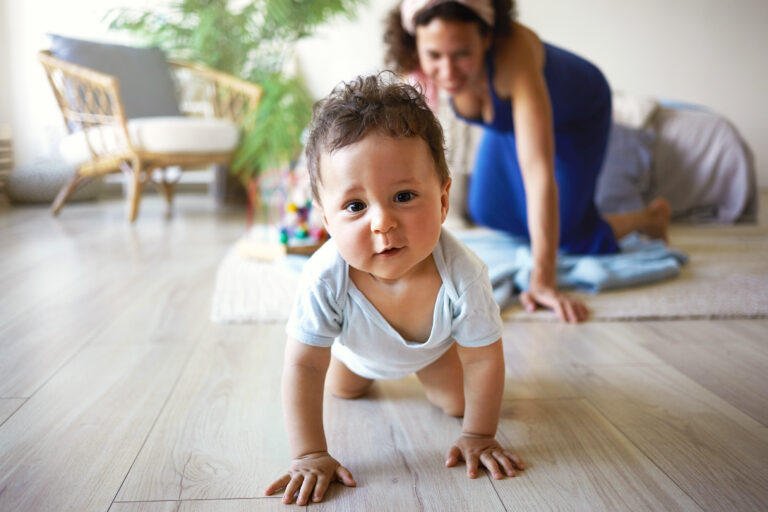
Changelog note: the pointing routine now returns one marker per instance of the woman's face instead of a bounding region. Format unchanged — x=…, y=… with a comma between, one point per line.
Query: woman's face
x=451, y=53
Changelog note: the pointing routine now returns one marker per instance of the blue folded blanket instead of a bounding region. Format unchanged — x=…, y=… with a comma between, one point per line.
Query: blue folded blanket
x=509, y=264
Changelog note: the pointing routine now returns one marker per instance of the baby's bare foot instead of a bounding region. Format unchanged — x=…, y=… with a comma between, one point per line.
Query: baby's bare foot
x=658, y=214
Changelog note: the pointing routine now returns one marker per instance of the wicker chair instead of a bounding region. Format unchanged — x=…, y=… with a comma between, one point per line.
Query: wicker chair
x=93, y=112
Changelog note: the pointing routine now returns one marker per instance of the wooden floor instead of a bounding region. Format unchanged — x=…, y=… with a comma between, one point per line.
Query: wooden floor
x=117, y=393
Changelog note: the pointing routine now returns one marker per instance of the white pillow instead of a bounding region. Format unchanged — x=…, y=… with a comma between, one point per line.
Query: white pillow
x=156, y=135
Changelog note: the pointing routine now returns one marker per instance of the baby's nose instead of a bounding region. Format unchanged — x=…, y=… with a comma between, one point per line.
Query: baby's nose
x=382, y=221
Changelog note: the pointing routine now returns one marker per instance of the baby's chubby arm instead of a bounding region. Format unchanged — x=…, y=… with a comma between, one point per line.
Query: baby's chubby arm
x=483, y=389
x=312, y=469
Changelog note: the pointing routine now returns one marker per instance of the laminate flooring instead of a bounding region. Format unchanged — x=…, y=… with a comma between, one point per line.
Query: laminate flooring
x=118, y=394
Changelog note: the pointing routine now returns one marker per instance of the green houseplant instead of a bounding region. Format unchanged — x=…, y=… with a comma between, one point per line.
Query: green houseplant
x=250, y=39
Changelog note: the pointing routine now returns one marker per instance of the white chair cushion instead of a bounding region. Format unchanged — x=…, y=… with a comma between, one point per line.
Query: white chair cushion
x=167, y=135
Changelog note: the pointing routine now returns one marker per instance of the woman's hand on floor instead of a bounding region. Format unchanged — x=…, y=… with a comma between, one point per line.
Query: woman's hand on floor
x=568, y=309
x=310, y=476
x=483, y=450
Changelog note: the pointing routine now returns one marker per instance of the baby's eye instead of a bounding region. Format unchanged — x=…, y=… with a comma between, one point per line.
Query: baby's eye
x=404, y=197
x=355, y=206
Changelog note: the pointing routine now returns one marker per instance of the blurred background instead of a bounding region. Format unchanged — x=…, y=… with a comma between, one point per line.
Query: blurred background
x=704, y=52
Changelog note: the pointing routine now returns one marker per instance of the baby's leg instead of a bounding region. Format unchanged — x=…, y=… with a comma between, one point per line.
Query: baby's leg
x=443, y=382
x=343, y=382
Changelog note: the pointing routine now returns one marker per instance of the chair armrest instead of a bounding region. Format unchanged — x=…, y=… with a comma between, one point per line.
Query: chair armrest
x=87, y=99
x=229, y=96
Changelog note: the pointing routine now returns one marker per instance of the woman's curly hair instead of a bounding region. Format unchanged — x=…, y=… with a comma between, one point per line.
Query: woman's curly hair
x=401, y=46
x=380, y=103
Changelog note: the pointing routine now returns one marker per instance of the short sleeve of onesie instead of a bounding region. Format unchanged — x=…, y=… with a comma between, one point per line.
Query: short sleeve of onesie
x=476, y=316
x=316, y=317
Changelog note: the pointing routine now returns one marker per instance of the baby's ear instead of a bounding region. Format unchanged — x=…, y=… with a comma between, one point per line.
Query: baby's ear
x=325, y=219
x=445, y=199
x=317, y=205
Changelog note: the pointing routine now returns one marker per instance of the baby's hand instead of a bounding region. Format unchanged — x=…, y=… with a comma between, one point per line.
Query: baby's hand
x=312, y=471
x=476, y=449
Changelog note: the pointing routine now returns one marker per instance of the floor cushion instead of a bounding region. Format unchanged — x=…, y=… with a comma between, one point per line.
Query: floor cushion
x=40, y=181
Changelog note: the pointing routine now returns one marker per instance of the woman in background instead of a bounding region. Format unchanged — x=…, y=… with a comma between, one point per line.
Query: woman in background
x=547, y=116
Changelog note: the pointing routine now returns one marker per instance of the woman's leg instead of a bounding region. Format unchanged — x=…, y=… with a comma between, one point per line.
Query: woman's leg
x=579, y=154
x=443, y=382
x=496, y=195
x=343, y=382
x=582, y=229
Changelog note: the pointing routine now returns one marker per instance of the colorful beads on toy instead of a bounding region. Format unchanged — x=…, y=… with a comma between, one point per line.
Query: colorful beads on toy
x=299, y=222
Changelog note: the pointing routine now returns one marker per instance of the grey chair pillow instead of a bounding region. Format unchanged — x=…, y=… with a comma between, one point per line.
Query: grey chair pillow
x=146, y=86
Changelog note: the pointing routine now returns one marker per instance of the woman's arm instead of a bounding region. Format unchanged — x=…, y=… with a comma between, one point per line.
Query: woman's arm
x=535, y=152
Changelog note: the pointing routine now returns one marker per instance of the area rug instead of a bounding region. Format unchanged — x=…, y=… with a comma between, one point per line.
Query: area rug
x=726, y=277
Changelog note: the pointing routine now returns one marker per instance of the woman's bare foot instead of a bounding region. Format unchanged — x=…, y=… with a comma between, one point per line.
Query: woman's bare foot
x=658, y=215
x=653, y=220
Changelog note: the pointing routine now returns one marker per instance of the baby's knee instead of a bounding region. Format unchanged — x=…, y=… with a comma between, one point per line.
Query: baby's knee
x=454, y=408
x=348, y=394
x=456, y=412
x=341, y=382
x=348, y=390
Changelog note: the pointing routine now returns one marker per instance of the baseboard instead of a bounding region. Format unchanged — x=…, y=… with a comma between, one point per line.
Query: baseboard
x=113, y=185
x=115, y=189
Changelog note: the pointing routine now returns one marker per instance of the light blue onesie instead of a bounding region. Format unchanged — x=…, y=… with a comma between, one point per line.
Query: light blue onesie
x=330, y=311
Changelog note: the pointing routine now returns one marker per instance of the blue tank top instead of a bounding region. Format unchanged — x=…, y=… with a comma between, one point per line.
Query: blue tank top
x=578, y=92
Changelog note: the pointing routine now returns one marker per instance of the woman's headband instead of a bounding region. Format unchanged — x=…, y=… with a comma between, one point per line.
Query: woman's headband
x=411, y=8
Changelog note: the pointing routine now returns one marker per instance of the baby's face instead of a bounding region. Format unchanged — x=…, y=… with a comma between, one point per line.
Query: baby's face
x=383, y=203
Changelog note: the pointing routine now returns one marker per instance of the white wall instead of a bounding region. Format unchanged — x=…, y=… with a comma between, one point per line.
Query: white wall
x=701, y=51
x=342, y=49
x=5, y=79
x=31, y=108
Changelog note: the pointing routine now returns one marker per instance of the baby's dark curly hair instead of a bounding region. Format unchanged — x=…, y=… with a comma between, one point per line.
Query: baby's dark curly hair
x=380, y=103
x=401, y=46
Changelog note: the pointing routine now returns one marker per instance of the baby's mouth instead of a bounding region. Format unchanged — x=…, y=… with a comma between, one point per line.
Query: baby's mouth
x=389, y=252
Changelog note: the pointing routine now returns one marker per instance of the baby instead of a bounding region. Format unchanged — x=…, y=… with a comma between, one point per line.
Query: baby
x=391, y=293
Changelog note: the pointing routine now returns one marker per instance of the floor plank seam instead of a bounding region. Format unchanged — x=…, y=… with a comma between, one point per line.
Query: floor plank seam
x=628, y=439
x=404, y=460
x=194, y=500
x=157, y=417
x=625, y=365
x=714, y=390
x=542, y=399
x=495, y=489
x=89, y=339
x=14, y=411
